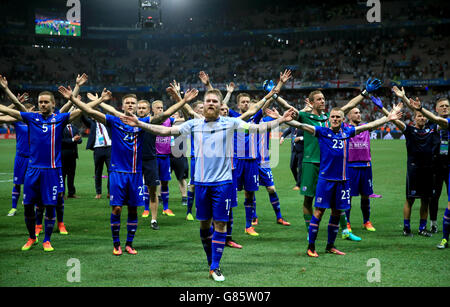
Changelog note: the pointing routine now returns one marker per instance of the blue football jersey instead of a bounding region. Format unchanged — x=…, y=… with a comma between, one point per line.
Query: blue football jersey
x=264, y=145
x=334, y=152
x=126, y=145
x=45, y=137
x=22, y=142
x=246, y=142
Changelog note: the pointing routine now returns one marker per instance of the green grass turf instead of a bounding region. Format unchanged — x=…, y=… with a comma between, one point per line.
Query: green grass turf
x=173, y=256
x=47, y=31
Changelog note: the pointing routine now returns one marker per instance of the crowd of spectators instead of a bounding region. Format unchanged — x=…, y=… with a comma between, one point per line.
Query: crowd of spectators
x=249, y=62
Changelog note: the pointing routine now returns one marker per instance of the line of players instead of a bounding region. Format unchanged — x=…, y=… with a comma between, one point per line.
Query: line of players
x=245, y=169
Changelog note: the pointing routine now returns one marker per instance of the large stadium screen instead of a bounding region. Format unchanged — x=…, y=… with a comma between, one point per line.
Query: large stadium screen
x=56, y=22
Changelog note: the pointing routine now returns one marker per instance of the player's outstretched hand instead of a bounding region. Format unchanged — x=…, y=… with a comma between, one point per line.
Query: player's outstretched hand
x=3, y=82
x=190, y=94
x=272, y=113
x=285, y=76
x=308, y=105
x=396, y=112
x=416, y=104
x=288, y=115
x=106, y=95
x=177, y=86
x=92, y=97
x=204, y=77
x=65, y=92
x=372, y=85
x=23, y=98
x=173, y=93
x=130, y=120
x=81, y=79
x=230, y=87
x=399, y=93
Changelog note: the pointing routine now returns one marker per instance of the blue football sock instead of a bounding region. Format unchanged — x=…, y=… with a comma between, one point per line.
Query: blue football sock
x=407, y=224
x=39, y=214
x=15, y=195
x=254, y=207
x=190, y=201
x=217, y=246
x=50, y=219
x=248, y=204
x=60, y=208
x=206, y=237
x=365, y=209
x=132, y=224
x=274, y=200
x=165, y=196
x=146, y=199
x=422, y=224
x=313, y=229
x=446, y=224
x=30, y=220
x=230, y=224
x=115, y=228
x=333, y=228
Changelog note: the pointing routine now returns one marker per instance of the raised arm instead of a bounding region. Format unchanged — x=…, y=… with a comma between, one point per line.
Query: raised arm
x=394, y=115
x=6, y=119
x=11, y=112
x=230, y=89
x=106, y=95
x=133, y=121
x=284, y=76
x=187, y=110
x=108, y=108
x=371, y=86
x=377, y=101
x=304, y=127
x=80, y=80
x=417, y=106
x=67, y=93
x=204, y=77
x=266, y=126
x=18, y=105
x=188, y=96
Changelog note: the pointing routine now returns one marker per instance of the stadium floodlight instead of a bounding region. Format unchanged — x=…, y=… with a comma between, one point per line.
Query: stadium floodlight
x=150, y=5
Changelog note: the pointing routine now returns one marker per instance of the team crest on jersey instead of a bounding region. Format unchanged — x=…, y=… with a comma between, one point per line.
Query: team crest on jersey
x=304, y=188
x=136, y=129
x=53, y=120
x=37, y=119
x=344, y=135
x=319, y=199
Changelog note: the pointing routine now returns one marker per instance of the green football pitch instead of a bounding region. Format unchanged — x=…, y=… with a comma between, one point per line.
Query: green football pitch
x=47, y=31
x=173, y=256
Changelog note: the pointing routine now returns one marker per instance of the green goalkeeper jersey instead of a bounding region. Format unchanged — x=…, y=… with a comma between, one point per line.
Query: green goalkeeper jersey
x=311, y=151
